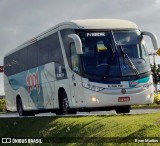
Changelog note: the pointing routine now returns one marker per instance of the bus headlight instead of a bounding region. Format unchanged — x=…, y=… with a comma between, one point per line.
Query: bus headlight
x=149, y=96
x=92, y=87
x=94, y=99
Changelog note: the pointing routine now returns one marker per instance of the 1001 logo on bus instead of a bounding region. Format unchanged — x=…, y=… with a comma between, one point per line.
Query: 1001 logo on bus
x=33, y=83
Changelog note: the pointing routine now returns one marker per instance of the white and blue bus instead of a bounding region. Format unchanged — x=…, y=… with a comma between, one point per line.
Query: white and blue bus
x=82, y=65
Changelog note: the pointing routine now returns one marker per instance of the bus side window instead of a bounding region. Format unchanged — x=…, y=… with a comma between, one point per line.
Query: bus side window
x=74, y=59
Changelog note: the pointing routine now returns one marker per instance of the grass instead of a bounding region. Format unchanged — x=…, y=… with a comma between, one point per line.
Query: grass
x=92, y=128
x=3, y=105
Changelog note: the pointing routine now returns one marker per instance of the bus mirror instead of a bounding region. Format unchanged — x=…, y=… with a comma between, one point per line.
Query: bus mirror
x=77, y=42
x=153, y=38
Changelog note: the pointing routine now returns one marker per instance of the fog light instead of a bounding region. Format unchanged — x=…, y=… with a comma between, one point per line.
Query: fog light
x=149, y=96
x=94, y=99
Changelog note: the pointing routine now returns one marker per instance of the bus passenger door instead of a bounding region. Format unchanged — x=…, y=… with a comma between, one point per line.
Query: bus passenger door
x=76, y=81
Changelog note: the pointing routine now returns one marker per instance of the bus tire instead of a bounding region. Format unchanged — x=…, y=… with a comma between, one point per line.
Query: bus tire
x=64, y=105
x=123, y=109
x=73, y=111
x=66, y=108
x=20, y=109
x=30, y=113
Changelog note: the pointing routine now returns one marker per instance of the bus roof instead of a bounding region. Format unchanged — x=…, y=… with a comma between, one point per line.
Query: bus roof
x=105, y=24
x=82, y=24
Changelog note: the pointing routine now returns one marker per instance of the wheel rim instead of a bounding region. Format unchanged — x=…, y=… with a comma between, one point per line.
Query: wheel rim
x=65, y=105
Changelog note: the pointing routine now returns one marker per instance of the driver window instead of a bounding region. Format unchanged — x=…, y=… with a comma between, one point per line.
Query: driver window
x=74, y=58
x=104, y=53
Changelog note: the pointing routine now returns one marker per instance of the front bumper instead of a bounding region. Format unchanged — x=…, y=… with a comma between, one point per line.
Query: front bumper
x=110, y=97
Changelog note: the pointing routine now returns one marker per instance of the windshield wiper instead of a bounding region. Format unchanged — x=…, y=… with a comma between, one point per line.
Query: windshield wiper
x=132, y=66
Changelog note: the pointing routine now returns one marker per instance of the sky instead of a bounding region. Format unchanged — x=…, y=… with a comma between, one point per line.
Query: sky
x=20, y=20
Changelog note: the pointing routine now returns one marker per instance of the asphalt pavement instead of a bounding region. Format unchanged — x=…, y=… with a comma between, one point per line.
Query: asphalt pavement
x=132, y=112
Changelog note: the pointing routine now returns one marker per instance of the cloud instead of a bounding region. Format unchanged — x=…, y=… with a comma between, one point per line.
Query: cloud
x=22, y=20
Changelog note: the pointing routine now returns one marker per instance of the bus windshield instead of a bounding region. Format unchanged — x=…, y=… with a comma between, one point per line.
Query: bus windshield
x=114, y=53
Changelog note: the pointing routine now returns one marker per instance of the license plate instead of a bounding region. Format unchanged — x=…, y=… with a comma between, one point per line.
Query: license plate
x=123, y=99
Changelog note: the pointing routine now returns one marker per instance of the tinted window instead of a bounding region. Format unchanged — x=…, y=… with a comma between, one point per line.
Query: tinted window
x=43, y=51
x=55, y=53
x=23, y=59
x=15, y=62
x=7, y=65
x=32, y=55
x=11, y=64
x=66, y=42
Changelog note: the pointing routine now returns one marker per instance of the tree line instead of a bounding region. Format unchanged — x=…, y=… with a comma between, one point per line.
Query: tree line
x=155, y=69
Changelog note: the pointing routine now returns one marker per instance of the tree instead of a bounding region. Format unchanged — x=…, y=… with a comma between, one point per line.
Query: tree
x=156, y=74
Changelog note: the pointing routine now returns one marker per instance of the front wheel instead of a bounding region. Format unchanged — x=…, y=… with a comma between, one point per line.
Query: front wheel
x=64, y=106
x=123, y=109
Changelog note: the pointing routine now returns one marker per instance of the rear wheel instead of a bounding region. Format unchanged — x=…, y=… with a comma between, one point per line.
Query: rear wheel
x=20, y=110
x=123, y=109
